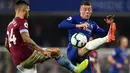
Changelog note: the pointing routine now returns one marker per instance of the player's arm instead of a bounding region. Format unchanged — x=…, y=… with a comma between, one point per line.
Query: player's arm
x=23, y=29
x=7, y=45
x=126, y=61
x=111, y=60
x=99, y=31
x=68, y=24
x=26, y=38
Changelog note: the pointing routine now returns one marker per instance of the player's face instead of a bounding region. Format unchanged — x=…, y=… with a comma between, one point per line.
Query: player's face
x=85, y=11
x=124, y=42
x=26, y=11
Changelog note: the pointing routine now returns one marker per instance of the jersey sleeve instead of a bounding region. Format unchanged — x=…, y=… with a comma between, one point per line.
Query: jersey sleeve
x=126, y=54
x=23, y=26
x=67, y=23
x=116, y=52
x=99, y=31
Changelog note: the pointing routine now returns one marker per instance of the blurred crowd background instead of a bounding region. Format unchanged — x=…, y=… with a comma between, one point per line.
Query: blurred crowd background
x=43, y=22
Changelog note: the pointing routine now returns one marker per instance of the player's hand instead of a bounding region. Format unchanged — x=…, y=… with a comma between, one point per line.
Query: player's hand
x=48, y=54
x=109, y=19
x=118, y=65
x=82, y=26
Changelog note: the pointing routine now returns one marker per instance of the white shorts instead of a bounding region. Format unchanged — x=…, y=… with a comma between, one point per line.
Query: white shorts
x=23, y=70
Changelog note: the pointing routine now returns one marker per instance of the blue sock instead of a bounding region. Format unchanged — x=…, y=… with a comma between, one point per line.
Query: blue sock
x=65, y=63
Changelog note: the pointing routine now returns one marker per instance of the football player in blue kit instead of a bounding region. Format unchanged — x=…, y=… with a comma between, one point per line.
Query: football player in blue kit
x=82, y=23
x=119, y=56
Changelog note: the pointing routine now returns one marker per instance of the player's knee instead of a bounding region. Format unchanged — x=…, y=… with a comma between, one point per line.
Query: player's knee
x=57, y=51
x=54, y=51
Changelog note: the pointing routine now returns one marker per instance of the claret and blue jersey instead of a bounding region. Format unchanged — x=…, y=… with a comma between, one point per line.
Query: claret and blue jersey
x=70, y=25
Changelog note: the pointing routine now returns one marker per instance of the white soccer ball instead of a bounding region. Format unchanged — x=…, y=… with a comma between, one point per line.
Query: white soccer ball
x=78, y=40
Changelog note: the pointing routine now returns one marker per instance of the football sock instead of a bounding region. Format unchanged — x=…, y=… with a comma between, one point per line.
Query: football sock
x=63, y=61
x=92, y=45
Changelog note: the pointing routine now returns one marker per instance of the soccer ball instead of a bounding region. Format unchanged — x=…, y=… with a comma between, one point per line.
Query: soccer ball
x=78, y=40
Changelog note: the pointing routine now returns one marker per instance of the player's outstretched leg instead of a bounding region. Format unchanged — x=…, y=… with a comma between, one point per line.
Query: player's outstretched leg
x=97, y=42
x=92, y=45
x=63, y=61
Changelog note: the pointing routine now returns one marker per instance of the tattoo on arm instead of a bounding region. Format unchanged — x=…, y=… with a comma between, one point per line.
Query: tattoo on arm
x=26, y=38
x=31, y=44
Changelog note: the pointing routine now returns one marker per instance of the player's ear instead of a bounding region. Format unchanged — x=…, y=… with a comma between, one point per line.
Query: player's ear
x=23, y=9
x=105, y=20
x=80, y=9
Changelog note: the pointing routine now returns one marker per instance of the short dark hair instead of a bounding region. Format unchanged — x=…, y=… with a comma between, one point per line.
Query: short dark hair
x=85, y=3
x=20, y=2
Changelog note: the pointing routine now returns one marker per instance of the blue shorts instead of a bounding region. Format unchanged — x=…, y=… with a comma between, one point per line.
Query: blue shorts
x=72, y=53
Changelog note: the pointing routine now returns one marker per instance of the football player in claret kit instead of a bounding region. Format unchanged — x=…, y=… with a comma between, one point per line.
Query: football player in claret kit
x=93, y=55
x=25, y=52
x=82, y=24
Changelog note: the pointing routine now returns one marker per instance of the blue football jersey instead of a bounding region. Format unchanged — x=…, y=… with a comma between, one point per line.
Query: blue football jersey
x=70, y=25
x=71, y=22
x=119, y=56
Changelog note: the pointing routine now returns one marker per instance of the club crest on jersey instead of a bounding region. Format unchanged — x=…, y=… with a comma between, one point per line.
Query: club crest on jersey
x=26, y=25
x=90, y=25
